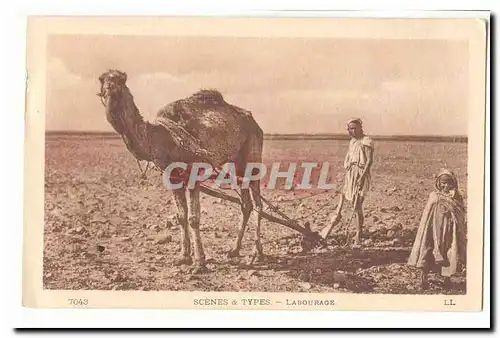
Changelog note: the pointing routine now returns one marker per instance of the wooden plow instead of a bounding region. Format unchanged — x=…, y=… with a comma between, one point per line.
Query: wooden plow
x=310, y=239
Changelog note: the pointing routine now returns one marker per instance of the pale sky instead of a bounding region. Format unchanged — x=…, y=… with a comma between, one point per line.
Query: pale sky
x=291, y=85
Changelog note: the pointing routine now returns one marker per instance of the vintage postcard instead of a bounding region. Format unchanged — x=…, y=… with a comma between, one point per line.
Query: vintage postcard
x=312, y=163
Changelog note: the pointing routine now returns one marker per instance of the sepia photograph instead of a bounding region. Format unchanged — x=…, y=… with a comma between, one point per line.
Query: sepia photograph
x=255, y=162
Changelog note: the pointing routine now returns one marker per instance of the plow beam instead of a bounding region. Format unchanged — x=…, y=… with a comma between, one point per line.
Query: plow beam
x=310, y=235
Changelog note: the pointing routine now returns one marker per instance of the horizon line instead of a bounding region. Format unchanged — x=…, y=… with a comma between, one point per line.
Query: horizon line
x=291, y=136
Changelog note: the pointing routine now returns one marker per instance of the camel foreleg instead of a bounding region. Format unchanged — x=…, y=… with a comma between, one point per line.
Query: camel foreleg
x=194, y=225
x=182, y=219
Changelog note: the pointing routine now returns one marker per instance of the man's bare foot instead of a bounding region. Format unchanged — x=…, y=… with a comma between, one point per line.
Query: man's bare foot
x=257, y=257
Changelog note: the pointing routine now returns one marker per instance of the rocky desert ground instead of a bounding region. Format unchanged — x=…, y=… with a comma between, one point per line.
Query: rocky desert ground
x=107, y=229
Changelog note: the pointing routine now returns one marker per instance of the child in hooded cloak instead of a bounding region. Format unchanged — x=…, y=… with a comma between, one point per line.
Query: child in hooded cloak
x=440, y=243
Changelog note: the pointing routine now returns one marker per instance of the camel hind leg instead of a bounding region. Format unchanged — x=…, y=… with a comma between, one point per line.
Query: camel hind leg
x=258, y=251
x=246, y=210
x=254, y=155
x=246, y=201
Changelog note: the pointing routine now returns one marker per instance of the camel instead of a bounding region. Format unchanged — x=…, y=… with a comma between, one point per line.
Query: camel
x=200, y=128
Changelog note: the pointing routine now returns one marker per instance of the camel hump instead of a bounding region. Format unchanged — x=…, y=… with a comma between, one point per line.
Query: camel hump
x=246, y=112
x=207, y=96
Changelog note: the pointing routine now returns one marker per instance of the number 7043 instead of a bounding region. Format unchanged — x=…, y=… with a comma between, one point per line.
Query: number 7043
x=78, y=301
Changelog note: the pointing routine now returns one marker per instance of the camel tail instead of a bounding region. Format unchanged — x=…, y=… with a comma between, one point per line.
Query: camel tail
x=255, y=142
x=254, y=147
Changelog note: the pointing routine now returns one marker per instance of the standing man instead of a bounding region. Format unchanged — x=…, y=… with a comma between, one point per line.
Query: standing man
x=357, y=179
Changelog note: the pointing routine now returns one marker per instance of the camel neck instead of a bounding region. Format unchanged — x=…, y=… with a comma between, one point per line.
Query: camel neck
x=124, y=116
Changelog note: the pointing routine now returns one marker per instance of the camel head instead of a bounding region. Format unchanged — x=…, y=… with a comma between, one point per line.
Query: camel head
x=112, y=83
x=112, y=87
